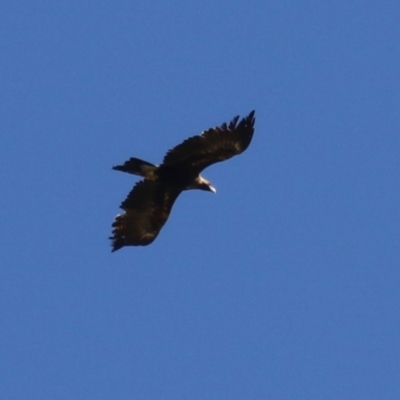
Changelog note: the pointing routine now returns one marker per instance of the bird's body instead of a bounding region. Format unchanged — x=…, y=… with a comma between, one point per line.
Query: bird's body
x=149, y=204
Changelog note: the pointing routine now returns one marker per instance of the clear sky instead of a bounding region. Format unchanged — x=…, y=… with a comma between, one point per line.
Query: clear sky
x=283, y=285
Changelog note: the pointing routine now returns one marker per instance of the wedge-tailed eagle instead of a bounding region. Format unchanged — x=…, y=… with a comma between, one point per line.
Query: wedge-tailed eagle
x=148, y=205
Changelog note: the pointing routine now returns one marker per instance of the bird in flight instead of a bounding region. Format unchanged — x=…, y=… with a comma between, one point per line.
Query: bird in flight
x=148, y=205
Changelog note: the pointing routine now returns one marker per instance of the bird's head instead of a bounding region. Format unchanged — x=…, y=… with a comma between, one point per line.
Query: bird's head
x=203, y=184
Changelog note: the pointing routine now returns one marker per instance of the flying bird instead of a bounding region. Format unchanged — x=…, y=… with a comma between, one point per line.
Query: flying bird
x=148, y=205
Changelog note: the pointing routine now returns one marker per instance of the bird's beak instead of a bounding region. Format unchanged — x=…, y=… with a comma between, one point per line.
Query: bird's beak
x=212, y=189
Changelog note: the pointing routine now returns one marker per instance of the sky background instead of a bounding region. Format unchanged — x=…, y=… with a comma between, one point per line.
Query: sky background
x=283, y=285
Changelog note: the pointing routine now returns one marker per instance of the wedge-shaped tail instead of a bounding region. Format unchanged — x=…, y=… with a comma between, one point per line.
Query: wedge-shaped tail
x=136, y=166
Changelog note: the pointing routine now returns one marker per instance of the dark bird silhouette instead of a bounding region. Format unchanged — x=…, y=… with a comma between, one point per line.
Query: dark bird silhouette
x=148, y=205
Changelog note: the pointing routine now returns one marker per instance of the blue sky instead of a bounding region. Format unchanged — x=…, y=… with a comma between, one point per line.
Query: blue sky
x=283, y=285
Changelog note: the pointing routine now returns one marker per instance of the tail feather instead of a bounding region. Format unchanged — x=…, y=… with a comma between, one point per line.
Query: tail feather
x=136, y=166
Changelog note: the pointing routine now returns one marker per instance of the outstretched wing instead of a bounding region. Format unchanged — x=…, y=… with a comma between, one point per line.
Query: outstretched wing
x=147, y=208
x=214, y=145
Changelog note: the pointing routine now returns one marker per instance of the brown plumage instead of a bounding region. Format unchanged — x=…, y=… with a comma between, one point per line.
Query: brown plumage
x=148, y=205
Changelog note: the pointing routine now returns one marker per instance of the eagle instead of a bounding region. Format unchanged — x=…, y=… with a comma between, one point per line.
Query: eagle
x=148, y=205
